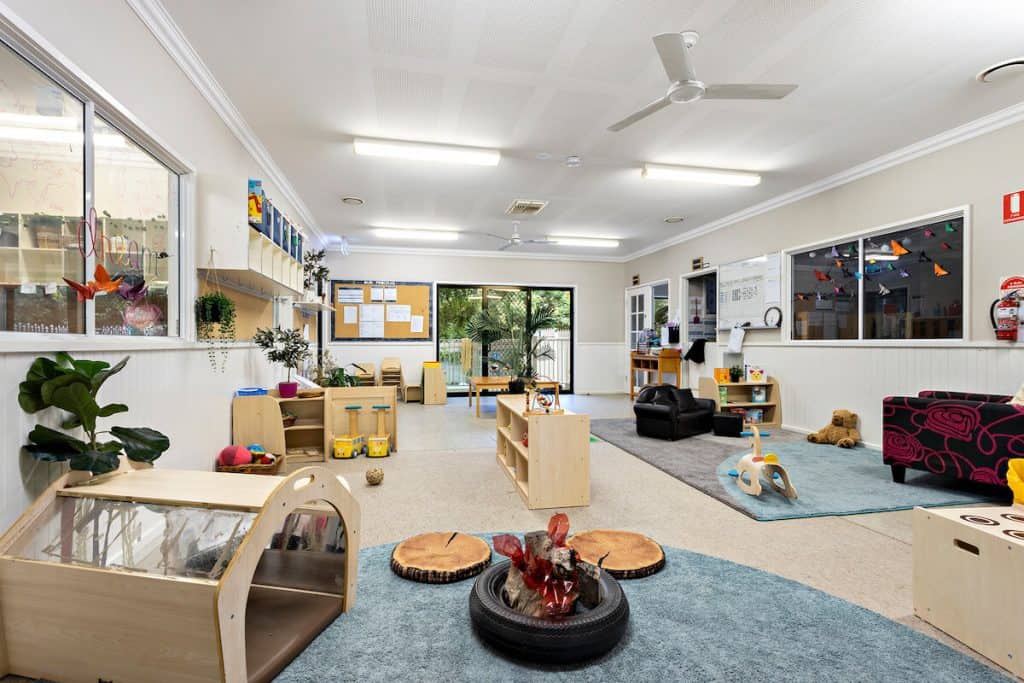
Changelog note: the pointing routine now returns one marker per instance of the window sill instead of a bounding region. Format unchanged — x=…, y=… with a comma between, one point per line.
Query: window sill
x=28, y=343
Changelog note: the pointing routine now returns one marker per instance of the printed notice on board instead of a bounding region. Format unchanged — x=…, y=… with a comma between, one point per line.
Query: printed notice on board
x=399, y=313
x=371, y=330
x=376, y=294
x=416, y=324
x=350, y=295
x=371, y=313
x=391, y=294
x=351, y=315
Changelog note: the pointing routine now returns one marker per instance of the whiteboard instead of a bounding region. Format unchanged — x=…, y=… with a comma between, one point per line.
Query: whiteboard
x=746, y=289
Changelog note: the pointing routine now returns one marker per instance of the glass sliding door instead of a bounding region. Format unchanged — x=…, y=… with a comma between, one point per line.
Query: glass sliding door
x=514, y=311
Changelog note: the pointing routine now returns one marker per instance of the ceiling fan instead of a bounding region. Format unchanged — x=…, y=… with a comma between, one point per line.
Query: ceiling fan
x=515, y=240
x=674, y=50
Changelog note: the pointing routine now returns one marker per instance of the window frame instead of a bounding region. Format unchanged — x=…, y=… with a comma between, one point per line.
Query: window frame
x=963, y=211
x=38, y=53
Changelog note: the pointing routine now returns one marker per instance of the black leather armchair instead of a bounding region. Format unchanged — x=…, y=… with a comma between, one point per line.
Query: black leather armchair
x=665, y=412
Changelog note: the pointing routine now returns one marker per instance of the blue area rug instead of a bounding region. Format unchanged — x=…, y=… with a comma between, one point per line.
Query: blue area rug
x=699, y=619
x=835, y=481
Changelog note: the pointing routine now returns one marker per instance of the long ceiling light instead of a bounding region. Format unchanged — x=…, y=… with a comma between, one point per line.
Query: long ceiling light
x=415, y=234
x=569, y=241
x=697, y=174
x=423, y=151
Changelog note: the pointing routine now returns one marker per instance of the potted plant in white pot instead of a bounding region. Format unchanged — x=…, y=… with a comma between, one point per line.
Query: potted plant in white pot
x=286, y=347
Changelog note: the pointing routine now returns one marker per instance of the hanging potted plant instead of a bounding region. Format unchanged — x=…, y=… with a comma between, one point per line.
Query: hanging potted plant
x=215, y=324
x=315, y=274
x=286, y=347
x=513, y=334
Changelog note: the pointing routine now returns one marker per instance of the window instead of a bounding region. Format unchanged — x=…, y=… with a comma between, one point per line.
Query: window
x=53, y=151
x=904, y=283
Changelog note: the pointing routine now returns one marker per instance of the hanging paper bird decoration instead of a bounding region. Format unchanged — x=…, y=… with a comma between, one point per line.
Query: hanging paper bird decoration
x=839, y=264
x=846, y=272
x=945, y=245
x=820, y=276
x=801, y=297
x=840, y=290
x=890, y=266
x=939, y=270
x=834, y=253
x=133, y=293
x=950, y=228
x=898, y=248
x=928, y=233
x=883, y=290
x=904, y=273
x=819, y=297
x=923, y=258
x=102, y=284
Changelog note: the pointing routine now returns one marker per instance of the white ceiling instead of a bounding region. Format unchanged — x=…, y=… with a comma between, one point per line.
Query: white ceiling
x=532, y=76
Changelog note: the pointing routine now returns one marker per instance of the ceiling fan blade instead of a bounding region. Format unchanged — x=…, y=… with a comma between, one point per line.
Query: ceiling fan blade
x=654, y=106
x=675, y=56
x=507, y=245
x=747, y=91
x=539, y=242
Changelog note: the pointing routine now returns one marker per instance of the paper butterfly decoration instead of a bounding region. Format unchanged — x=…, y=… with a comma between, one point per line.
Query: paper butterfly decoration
x=102, y=284
x=898, y=248
x=834, y=253
x=904, y=273
x=929, y=233
x=950, y=228
x=133, y=293
x=923, y=258
x=883, y=290
x=820, y=276
x=945, y=245
x=939, y=270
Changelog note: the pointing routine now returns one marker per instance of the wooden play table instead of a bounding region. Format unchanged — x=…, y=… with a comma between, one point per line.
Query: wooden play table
x=480, y=383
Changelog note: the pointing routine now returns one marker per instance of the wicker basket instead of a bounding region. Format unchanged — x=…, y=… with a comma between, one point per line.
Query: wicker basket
x=309, y=393
x=253, y=467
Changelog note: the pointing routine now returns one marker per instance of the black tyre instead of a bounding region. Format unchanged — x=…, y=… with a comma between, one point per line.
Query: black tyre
x=584, y=635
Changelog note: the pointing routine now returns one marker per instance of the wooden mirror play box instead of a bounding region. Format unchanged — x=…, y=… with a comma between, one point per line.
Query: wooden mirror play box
x=173, y=575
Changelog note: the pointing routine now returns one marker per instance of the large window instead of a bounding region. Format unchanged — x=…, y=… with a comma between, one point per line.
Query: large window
x=903, y=283
x=76, y=193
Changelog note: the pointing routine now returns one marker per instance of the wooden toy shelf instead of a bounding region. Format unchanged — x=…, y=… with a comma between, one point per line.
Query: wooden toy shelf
x=257, y=419
x=189, y=577
x=553, y=470
x=739, y=394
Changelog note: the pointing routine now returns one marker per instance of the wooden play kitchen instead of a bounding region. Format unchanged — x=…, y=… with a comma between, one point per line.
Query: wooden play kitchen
x=319, y=422
x=173, y=575
x=968, y=564
x=552, y=469
x=669, y=361
x=479, y=383
x=739, y=395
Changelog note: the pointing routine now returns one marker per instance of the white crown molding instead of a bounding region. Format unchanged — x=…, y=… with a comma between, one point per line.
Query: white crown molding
x=971, y=129
x=479, y=253
x=163, y=27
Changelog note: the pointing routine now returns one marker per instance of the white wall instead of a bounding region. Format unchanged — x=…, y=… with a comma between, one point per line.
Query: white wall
x=815, y=379
x=170, y=388
x=600, y=346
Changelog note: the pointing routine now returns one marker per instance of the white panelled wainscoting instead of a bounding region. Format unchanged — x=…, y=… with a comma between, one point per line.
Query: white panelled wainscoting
x=817, y=379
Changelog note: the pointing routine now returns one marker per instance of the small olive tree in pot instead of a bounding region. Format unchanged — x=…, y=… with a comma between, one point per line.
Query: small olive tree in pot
x=286, y=347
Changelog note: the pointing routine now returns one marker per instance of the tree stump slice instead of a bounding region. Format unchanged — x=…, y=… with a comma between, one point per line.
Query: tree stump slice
x=440, y=557
x=627, y=555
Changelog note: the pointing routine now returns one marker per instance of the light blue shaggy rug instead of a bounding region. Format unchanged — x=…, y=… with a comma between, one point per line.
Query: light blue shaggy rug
x=836, y=481
x=699, y=619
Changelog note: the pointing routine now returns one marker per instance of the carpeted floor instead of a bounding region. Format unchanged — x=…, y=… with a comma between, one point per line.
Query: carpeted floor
x=699, y=619
x=829, y=480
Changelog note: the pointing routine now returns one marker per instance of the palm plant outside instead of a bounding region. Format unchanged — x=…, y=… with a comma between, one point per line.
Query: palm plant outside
x=512, y=333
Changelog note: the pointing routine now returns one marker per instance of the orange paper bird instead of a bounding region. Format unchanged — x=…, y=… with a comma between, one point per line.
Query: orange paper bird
x=820, y=276
x=939, y=270
x=102, y=284
x=898, y=248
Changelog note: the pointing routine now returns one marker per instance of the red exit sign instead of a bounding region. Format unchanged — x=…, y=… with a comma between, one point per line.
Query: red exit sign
x=1013, y=207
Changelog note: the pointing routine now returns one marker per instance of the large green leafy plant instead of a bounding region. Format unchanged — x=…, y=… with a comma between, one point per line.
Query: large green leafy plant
x=513, y=334
x=72, y=385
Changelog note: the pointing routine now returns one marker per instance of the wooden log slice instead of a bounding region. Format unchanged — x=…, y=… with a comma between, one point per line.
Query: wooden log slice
x=440, y=557
x=627, y=555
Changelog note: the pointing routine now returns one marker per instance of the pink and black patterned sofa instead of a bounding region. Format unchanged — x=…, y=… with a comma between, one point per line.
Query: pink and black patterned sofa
x=961, y=435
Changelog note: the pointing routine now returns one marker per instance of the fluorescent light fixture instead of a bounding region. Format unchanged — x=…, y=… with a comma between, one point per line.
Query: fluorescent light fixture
x=423, y=235
x=424, y=151
x=569, y=241
x=696, y=174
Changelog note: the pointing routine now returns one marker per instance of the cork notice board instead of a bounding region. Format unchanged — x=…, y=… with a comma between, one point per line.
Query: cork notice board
x=382, y=311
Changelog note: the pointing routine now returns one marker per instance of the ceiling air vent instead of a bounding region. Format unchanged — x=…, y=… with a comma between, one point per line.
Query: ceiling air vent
x=525, y=207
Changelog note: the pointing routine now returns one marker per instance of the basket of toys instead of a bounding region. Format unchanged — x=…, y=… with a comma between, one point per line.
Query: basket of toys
x=252, y=459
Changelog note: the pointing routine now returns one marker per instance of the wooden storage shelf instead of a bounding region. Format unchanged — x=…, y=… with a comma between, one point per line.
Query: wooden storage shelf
x=300, y=424
x=553, y=470
x=738, y=395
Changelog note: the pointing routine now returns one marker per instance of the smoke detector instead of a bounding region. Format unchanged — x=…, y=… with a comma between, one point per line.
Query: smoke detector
x=525, y=207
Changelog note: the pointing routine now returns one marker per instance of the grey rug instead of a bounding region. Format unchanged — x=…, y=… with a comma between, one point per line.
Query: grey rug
x=829, y=480
x=698, y=619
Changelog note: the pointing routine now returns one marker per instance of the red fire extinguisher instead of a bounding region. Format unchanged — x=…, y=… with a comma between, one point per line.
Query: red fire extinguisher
x=1005, y=316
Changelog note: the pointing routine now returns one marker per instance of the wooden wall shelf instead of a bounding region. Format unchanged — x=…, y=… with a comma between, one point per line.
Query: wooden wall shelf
x=553, y=470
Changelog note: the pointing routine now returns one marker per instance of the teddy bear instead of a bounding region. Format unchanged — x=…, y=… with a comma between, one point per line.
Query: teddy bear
x=842, y=431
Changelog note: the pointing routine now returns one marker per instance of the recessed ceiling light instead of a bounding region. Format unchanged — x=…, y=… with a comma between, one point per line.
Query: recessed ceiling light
x=1015, y=65
x=423, y=151
x=573, y=161
x=674, y=219
x=426, y=235
x=697, y=174
x=571, y=241
x=352, y=201
x=543, y=156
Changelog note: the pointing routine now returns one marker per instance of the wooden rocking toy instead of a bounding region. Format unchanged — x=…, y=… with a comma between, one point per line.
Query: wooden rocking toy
x=757, y=466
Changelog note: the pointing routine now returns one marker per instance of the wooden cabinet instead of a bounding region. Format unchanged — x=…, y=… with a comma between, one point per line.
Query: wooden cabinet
x=740, y=396
x=553, y=468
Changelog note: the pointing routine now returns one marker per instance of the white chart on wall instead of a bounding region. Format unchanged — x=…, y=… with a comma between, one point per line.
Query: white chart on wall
x=747, y=289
